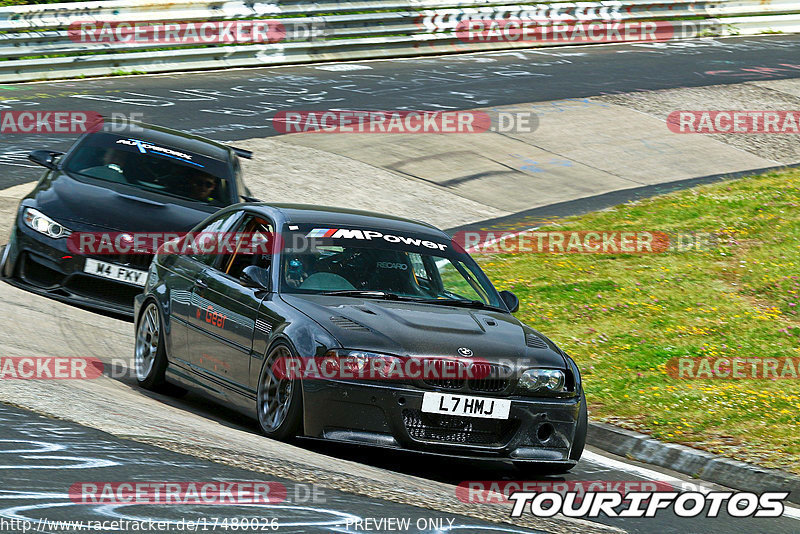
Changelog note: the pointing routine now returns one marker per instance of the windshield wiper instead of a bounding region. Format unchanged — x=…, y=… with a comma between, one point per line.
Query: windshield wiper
x=369, y=294
x=70, y=172
x=458, y=302
x=394, y=296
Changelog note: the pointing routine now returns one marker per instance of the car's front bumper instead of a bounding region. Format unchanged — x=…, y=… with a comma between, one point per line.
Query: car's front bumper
x=46, y=266
x=390, y=415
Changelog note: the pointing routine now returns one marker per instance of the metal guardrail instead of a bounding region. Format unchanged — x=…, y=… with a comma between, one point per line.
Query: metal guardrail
x=36, y=42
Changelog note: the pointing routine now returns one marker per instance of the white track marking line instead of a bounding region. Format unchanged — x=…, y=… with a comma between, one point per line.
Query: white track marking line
x=649, y=474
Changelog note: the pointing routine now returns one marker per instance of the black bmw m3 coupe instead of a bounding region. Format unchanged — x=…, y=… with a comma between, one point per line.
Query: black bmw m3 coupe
x=359, y=328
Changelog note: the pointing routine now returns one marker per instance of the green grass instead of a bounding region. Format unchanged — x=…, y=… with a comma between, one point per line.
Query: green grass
x=623, y=317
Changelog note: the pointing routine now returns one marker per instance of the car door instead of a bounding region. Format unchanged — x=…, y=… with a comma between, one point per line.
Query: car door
x=224, y=315
x=184, y=271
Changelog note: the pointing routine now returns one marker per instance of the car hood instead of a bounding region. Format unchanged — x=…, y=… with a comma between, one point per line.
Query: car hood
x=413, y=329
x=82, y=205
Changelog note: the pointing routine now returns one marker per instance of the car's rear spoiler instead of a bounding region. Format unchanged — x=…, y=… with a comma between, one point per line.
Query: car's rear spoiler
x=242, y=153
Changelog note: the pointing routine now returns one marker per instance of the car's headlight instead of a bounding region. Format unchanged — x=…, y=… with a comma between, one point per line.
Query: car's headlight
x=543, y=382
x=44, y=224
x=363, y=365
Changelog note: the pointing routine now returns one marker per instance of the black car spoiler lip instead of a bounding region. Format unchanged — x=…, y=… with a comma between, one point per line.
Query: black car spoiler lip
x=241, y=152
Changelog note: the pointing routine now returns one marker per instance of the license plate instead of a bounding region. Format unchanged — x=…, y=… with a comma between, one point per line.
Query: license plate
x=115, y=272
x=465, y=406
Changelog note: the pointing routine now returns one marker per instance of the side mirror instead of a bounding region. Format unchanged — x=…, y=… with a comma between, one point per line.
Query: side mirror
x=255, y=277
x=510, y=300
x=44, y=158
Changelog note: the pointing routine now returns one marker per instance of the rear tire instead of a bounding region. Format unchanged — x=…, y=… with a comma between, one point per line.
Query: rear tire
x=280, y=400
x=150, y=355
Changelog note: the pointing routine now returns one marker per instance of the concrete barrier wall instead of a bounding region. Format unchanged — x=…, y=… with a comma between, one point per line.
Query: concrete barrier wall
x=52, y=41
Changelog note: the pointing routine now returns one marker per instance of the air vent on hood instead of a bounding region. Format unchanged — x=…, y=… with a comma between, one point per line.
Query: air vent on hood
x=349, y=324
x=535, y=342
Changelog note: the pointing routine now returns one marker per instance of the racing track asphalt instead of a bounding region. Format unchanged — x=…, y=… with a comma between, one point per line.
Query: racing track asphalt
x=41, y=459
x=238, y=104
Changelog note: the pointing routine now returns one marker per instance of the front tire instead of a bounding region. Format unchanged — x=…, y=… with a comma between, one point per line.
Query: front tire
x=150, y=355
x=280, y=399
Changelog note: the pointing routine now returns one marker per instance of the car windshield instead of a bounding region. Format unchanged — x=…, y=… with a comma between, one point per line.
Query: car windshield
x=380, y=264
x=151, y=167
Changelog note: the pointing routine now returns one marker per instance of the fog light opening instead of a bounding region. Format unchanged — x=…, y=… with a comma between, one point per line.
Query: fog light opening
x=401, y=401
x=544, y=432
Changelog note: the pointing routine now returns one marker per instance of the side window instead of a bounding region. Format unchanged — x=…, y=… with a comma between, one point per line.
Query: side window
x=254, y=236
x=458, y=281
x=222, y=224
